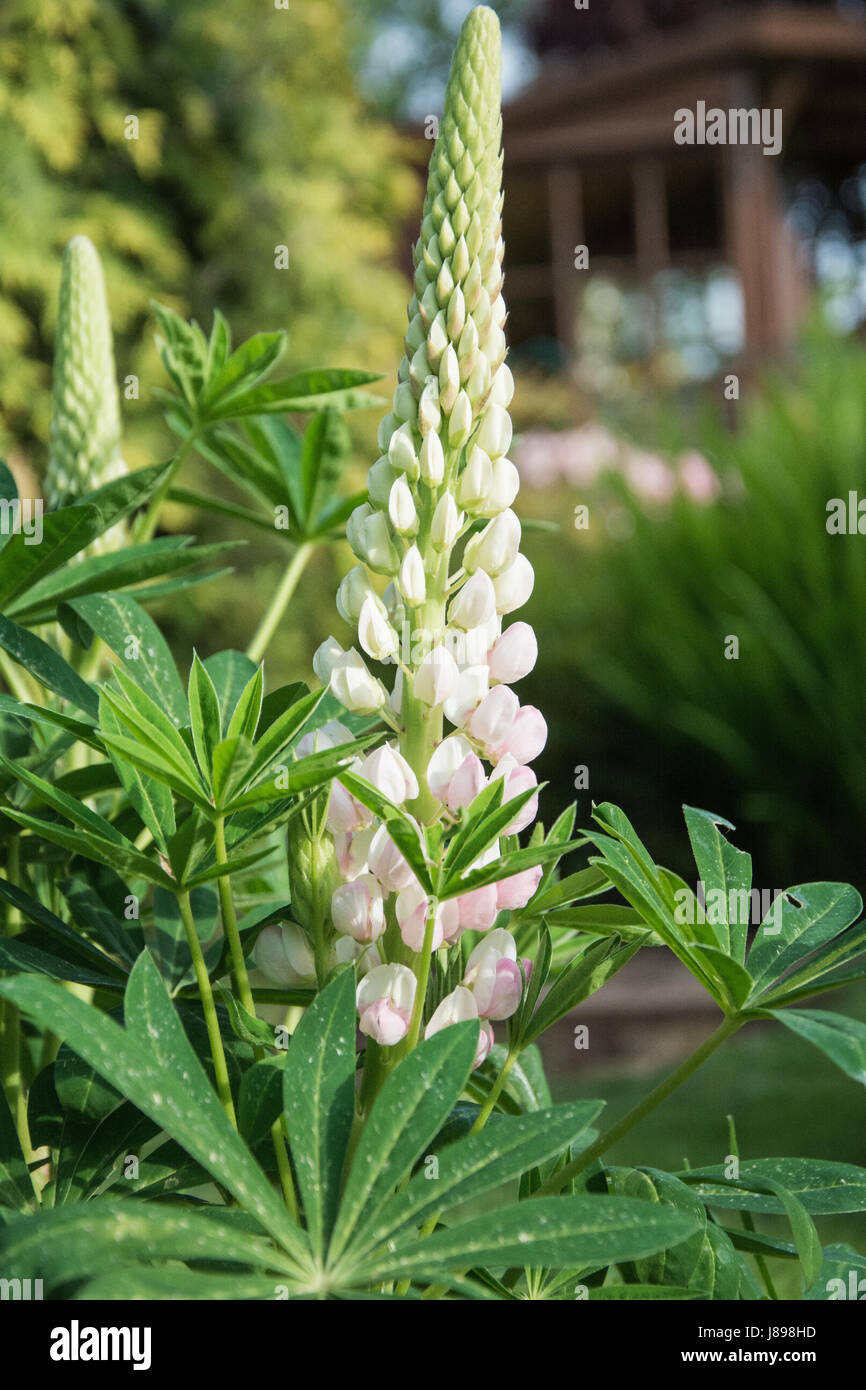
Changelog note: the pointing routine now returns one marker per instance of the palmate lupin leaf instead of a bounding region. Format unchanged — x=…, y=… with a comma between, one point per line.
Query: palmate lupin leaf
x=85, y=440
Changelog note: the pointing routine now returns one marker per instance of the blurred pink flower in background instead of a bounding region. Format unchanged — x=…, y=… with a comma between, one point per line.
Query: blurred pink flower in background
x=580, y=455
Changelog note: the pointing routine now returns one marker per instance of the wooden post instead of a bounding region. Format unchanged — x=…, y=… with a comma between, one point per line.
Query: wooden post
x=565, y=222
x=651, y=241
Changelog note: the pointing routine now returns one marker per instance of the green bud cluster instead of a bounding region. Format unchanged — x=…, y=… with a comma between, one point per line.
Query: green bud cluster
x=85, y=439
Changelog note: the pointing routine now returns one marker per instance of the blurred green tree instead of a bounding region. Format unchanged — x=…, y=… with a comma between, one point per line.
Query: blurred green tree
x=190, y=143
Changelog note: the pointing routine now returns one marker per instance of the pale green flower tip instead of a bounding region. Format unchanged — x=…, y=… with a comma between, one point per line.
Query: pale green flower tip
x=472, y=98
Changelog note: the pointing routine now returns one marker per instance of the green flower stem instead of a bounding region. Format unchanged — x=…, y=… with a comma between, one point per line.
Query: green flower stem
x=612, y=1136
x=207, y=1001
x=280, y=601
x=230, y=925
x=423, y=977
x=146, y=524
x=495, y=1091
x=284, y=1168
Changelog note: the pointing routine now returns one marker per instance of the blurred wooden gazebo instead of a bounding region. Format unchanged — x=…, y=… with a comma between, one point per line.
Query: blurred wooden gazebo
x=590, y=159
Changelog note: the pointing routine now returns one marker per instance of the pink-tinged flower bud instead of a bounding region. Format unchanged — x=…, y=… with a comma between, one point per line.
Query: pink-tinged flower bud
x=447, y=523
x=515, y=892
x=432, y=460
x=475, y=603
x=283, y=954
x=412, y=579
x=387, y=864
x=345, y=814
x=390, y=773
x=494, y=436
x=475, y=481
x=331, y=735
x=494, y=977
x=527, y=735
x=466, y=783
x=353, y=685
x=352, y=850
x=504, y=487
x=375, y=633
x=514, y=585
x=366, y=958
x=517, y=779
x=412, y=908
x=447, y=758
x=514, y=654
x=479, y=908
x=326, y=658
x=491, y=723
x=401, y=508
x=470, y=690
x=458, y=1007
x=495, y=548
x=436, y=676
x=357, y=909
x=385, y=999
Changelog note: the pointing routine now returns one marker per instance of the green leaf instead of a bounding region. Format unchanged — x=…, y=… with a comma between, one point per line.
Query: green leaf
x=152, y=1063
x=807, y=917
x=561, y=1232
x=16, y=1189
x=132, y=635
x=260, y=1098
x=247, y=365
x=204, y=710
x=306, y=391
x=319, y=1101
x=480, y=1163
x=840, y=1038
x=411, y=1108
x=99, y=574
x=245, y=719
x=230, y=672
x=127, y=862
x=47, y=666
x=324, y=451
x=605, y=919
x=278, y=735
x=823, y=1186
x=732, y=981
x=69, y=1243
x=577, y=981
x=725, y=871
x=245, y=1025
x=18, y=953
x=151, y=799
x=232, y=761
x=585, y=884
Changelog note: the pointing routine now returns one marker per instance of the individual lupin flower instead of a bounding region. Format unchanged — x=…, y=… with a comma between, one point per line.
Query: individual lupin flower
x=436, y=676
x=284, y=954
x=357, y=909
x=384, y=999
x=458, y=1007
x=514, y=654
x=494, y=976
x=389, y=771
x=375, y=633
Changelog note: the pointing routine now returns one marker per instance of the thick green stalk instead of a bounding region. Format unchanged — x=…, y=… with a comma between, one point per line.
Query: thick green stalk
x=280, y=601
x=208, y=1006
x=662, y=1091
